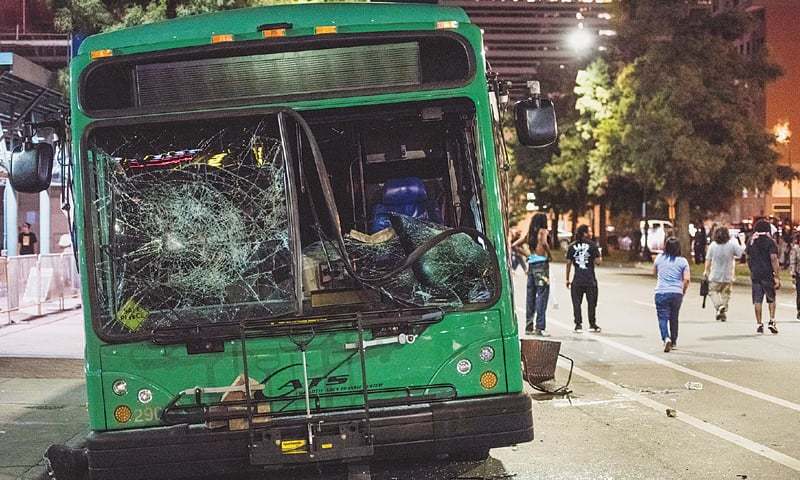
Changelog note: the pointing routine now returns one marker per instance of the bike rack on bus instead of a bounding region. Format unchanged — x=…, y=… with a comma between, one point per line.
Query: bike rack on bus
x=349, y=440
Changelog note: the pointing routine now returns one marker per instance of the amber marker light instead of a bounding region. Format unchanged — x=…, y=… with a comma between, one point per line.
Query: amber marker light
x=123, y=414
x=224, y=37
x=105, y=53
x=488, y=380
x=273, y=33
x=325, y=29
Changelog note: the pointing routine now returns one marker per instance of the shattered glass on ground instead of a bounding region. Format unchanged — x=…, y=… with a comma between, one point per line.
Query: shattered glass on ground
x=194, y=231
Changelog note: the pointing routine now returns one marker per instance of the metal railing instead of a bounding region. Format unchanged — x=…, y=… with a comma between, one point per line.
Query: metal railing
x=35, y=285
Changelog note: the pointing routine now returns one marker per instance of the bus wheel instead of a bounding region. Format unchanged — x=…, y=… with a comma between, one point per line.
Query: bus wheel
x=66, y=463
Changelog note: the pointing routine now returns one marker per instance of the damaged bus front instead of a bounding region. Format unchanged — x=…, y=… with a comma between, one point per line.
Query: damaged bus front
x=292, y=242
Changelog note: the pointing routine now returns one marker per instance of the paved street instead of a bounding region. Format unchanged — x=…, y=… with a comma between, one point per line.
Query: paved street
x=743, y=423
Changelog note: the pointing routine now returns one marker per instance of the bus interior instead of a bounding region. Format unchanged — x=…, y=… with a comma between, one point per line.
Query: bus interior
x=200, y=215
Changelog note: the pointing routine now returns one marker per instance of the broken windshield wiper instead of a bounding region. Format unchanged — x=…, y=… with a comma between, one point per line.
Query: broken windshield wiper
x=208, y=338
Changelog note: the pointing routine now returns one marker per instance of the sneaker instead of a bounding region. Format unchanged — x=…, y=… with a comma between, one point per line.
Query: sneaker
x=667, y=345
x=798, y=314
x=719, y=317
x=578, y=328
x=595, y=329
x=540, y=333
x=760, y=328
x=722, y=316
x=772, y=327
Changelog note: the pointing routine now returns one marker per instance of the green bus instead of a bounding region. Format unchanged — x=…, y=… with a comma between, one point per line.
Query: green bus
x=292, y=241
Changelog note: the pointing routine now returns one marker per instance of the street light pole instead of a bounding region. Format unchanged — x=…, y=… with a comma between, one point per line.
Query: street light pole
x=783, y=135
x=791, y=182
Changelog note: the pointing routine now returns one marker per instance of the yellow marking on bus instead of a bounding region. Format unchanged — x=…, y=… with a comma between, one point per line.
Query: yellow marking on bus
x=132, y=315
x=293, y=447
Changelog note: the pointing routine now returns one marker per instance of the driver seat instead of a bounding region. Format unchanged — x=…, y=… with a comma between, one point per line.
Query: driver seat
x=404, y=196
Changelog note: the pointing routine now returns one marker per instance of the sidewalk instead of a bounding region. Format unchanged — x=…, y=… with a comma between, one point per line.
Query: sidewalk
x=57, y=335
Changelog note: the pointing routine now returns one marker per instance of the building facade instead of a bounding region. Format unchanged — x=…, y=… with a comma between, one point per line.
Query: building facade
x=524, y=37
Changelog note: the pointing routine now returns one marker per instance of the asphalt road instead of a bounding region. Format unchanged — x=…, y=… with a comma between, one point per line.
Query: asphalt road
x=743, y=423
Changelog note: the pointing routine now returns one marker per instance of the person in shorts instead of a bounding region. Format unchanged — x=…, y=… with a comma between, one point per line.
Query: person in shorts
x=762, y=258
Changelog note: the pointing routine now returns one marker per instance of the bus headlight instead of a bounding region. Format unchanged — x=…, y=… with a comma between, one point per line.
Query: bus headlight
x=119, y=387
x=487, y=353
x=145, y=395
x=464, y=366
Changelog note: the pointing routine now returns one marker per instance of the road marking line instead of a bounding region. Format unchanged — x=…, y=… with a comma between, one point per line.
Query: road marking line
x=739, y=440
x=689, y=371
x=561, y=403
x=646, y=304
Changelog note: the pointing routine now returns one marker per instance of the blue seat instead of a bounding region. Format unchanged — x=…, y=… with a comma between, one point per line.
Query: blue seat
x=404, y=196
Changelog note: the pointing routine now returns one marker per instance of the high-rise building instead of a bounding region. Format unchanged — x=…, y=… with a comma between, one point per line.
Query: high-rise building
x=521, y=36
x=26, y=29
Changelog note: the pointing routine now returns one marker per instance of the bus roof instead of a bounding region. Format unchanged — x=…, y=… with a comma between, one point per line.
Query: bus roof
x=247, y=20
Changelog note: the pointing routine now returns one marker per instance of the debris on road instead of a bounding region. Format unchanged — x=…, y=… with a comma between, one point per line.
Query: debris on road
x=693, y=386
x=672, y=413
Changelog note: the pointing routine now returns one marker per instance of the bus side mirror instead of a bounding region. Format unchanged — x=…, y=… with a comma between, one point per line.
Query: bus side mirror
x=535, y=120
x=31, y=167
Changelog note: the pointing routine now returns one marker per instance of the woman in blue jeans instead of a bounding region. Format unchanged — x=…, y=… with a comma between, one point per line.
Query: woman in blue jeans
x=538, y=270
x=673, y=275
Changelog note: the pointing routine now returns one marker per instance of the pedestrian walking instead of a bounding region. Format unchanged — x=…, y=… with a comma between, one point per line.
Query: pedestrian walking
x=700, y=244
x=672, y=271
x=538, y=288
x=583, y=255
x=794, y=268
x=720, y=270
x=762, y=258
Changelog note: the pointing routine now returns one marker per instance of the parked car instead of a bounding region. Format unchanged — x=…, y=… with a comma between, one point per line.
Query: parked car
x=564, y=239
x=656, y=234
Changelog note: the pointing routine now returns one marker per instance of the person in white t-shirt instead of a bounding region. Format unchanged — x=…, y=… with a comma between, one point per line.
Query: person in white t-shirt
x=720, y=270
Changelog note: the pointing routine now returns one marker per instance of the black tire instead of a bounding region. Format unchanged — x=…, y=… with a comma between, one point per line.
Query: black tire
x=470, y=455
x=65, y=463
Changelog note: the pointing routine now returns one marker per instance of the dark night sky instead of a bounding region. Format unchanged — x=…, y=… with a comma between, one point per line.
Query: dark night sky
x=783, y=40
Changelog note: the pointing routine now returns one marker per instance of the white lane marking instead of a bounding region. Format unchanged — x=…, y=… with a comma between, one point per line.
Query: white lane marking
x=646, y=304
x=738, y=440
x=578, y=403
x=688, y=371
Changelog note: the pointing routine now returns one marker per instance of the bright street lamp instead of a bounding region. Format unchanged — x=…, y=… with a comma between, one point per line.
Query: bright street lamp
x=783, y=135
x=580, y=40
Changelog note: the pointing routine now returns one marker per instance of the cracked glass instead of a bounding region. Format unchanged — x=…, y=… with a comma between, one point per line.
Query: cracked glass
x=192, y=226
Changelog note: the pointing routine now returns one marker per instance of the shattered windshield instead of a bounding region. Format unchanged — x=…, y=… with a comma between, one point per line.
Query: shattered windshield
x=193, y=223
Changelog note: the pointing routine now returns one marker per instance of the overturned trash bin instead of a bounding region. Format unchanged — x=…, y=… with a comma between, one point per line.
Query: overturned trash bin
x=539, y=359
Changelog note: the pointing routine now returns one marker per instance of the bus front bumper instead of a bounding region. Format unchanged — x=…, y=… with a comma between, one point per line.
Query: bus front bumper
x=179, y=451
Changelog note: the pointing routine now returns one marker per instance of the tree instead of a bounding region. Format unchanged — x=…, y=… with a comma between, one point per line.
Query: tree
x=685, y=115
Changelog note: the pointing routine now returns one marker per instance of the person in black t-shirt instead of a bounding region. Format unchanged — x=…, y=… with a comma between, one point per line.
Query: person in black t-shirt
x=762, y=258
x=583, y=255
x=27, y=240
